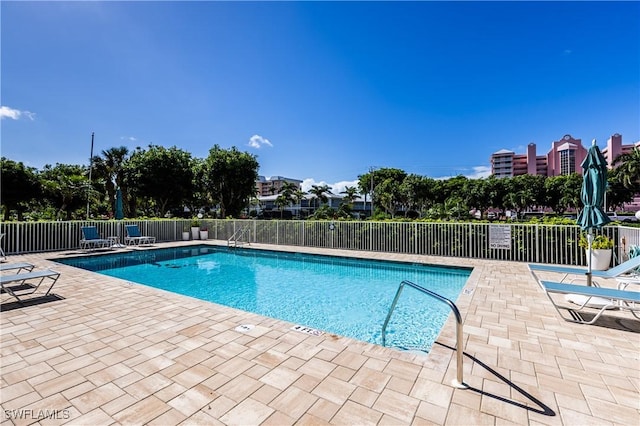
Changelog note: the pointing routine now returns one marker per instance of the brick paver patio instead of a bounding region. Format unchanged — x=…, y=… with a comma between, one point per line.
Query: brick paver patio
x=106, y=351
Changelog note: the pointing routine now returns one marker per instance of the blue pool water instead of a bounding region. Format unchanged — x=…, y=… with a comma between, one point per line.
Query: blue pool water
x=349, y=297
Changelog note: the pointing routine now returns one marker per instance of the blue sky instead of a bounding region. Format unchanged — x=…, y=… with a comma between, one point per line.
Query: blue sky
x=319, y=91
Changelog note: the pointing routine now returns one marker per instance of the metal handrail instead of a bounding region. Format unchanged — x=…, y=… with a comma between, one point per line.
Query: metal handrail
x=458, y=382
x=237, y=235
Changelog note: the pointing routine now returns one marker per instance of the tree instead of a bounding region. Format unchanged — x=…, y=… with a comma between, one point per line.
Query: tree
x=562, y=192
x=19, y=185
x=298, y=195
x=571, y=191
x=416, y=191
x=554, y=193
x=388, y=195
x=386, y=187
x=618, y=192
x=281, y=202
x=66, y=187
x=365, y=186
x=629, y=168
x=230, y=178
x=200, y=196
x=319, y=194
x=350, y=195
x=524, y=192
x=285, y=197
x=165, y=176
x=475, y=193
x=110, y=168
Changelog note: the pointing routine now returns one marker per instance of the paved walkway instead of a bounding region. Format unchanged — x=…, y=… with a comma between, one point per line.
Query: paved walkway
x=106, y=351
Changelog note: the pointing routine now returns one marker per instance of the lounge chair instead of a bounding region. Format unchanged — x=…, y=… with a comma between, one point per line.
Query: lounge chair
x=615, y=299
x=19, y=266
x=2, y=251
x=16, y=286
x=91, y=239
x=135, y=238
x=629, y=267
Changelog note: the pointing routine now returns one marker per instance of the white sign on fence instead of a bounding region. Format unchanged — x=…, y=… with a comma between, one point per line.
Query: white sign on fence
x=500, y=236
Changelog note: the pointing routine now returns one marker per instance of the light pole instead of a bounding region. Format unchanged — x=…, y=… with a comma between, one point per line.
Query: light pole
x=371, y=169
x=90, y=169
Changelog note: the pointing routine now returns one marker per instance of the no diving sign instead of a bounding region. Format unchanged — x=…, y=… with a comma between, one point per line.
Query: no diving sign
x=500, y=236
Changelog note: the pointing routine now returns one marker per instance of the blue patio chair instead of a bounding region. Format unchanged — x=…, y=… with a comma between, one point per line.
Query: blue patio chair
x=134, y=237
x=91, y=239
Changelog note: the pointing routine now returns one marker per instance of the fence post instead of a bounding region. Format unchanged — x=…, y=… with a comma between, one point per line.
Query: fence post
x=537, y=234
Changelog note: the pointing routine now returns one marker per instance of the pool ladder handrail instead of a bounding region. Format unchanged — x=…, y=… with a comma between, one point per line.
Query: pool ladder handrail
x=458, y=382
x=237, y=236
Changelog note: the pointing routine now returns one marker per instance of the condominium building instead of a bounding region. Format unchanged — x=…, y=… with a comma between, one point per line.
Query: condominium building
x=273, y=185
x=505, y=163
x=615, y=148
x=564, y=157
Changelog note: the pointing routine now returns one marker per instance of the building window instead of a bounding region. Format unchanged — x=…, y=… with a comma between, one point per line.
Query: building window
x=567, y=161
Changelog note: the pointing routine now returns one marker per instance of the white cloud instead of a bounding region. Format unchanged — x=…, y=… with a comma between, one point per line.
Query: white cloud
x=478, y=172
x=15, y=114
x=336, y=188
x=257, y=142
x=128, y=138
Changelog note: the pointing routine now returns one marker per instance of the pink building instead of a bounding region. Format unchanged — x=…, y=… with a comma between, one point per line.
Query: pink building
x=564, y=158
x=615, y=148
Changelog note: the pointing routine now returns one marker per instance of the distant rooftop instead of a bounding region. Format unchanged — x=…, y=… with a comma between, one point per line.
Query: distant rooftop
x=276, y=178
x=503, y=151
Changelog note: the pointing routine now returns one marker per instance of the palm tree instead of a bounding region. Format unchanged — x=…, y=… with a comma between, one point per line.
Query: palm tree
x=630, y=167
x=319, y=193
x=298, y=196
x=285, y=198
x=109, y=167
x=351, y=193
x=281, y=202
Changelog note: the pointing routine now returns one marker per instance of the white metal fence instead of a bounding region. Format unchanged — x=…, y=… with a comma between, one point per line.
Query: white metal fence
x=518, y=242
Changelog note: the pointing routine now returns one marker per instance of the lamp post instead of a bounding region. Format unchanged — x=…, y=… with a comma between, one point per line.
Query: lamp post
x=371, y=169
x=90, y=169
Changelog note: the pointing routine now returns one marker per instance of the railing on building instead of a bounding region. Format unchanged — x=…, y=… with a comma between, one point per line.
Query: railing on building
x=525, y=242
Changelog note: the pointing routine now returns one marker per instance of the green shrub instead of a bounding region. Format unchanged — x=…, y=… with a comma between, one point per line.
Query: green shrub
x=599, y=242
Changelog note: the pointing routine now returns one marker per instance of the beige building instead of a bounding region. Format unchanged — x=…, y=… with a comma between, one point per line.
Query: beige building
x=273, y=185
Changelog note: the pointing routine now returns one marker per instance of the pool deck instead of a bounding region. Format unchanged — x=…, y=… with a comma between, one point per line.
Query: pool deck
x=106, y=351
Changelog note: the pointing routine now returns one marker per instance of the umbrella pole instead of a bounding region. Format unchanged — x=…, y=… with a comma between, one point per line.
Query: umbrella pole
x=590, y=241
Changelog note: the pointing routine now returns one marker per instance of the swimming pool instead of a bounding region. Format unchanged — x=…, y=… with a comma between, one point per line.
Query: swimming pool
x=345, y=296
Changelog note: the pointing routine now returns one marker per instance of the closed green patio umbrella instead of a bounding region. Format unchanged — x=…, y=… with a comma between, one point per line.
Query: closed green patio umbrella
x=594, y=185
x=119, y=213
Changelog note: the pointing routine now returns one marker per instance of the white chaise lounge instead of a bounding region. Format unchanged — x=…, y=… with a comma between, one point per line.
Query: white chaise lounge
x=134, y=237
x=91, y=239
x=623, y=299
x=20, y=266
x=19, y=285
